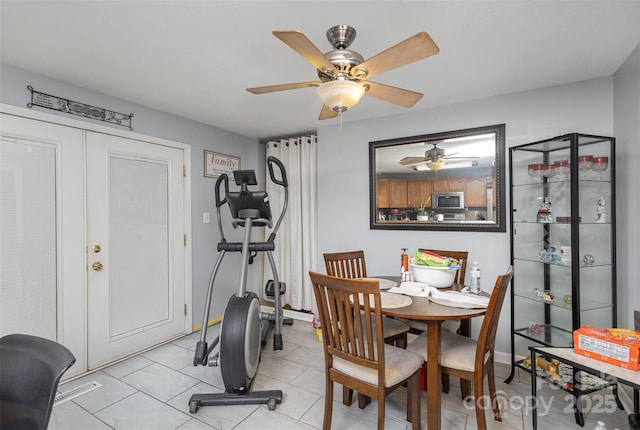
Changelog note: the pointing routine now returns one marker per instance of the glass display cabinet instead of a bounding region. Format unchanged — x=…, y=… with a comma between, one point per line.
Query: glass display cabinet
x=562, y=245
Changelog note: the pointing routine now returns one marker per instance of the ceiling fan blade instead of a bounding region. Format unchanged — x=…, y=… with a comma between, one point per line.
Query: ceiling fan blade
x=303, y=46
x=283, y=87
x=412, y=160
x=397, y=96
x=327, y=113
x=415, y=48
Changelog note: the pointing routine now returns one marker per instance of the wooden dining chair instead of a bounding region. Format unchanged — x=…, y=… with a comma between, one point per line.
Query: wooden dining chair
x=355, y=354
x=471, y=359
x=351, y=264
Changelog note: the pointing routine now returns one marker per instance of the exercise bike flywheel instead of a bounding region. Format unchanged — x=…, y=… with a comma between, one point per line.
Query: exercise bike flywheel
x=240, y=343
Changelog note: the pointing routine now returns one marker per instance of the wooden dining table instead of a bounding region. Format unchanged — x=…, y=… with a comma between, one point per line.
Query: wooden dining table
x=433, y=314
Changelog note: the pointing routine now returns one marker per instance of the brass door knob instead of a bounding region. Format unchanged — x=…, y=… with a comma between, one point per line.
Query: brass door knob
x=97, y=266
x=96, y=248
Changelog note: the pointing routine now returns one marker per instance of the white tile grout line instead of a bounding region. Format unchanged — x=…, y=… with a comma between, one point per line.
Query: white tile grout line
x=76, y=392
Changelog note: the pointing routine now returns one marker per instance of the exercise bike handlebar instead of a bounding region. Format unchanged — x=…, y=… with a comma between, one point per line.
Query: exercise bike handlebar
x=222, y=178
x=271, y=160
x=221, y=201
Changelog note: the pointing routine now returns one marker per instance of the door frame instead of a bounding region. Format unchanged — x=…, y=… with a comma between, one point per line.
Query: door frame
x=88, y=126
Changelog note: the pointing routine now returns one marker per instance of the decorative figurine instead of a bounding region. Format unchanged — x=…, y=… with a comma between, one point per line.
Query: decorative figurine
x=601, y=210
x=544, y=212
x=552, y=367
x=588, y=260
x=548, y=255
x=547, y=296
x=535, y=328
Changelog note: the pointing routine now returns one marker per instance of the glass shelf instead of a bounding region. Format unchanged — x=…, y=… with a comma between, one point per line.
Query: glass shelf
x=557, y=181
x=536, y=259
x=568, y=224
x=585, y=304
x=548, y=336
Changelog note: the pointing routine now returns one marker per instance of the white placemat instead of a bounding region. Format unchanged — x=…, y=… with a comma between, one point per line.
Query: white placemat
x=389, y=300
x=385, y=284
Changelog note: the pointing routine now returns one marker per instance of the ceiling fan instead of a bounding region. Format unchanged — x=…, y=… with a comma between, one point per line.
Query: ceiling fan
x=343, y=73
x=434, y=158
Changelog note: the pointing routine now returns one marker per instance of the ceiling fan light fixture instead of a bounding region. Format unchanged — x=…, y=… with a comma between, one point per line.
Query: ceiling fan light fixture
x=435, y=165
x=340, y=95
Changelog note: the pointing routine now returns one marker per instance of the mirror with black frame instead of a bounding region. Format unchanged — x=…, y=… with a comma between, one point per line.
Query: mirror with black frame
x=451, y=181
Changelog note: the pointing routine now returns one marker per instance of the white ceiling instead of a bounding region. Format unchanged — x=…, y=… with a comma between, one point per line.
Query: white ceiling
x=196, y=58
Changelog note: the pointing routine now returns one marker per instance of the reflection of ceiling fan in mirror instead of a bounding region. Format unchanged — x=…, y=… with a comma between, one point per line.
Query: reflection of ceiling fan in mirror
x=434, y=159
x=343, y=73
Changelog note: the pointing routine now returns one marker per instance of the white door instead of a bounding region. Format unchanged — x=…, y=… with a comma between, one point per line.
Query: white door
x=42, y=258
x=135, y=246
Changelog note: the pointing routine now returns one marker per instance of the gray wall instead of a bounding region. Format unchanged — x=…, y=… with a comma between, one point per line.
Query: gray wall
x=343, y=181
x=626, y=108
x=13, y=91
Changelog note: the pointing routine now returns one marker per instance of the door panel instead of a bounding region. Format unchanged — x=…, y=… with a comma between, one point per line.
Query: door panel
x=136, y=289
x=42, y=258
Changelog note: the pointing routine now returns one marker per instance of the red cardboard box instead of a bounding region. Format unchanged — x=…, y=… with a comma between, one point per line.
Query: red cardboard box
x=614, y=346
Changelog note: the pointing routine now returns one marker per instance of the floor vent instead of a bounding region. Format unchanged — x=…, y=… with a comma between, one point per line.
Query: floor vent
x=76, y=392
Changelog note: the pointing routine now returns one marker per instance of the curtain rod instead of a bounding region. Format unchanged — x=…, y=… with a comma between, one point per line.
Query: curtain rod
x=279, y=138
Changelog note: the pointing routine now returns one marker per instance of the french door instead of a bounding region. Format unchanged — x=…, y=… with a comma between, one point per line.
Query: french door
x=93, y=232
x=136, y=250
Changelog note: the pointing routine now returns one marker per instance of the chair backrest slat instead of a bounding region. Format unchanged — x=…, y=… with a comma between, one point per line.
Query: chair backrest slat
x=350, y=264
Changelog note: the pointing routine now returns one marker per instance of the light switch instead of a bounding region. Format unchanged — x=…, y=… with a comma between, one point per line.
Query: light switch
x=206, y=218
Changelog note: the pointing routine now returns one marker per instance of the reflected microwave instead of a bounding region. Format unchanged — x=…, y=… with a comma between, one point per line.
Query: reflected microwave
x=448, y=200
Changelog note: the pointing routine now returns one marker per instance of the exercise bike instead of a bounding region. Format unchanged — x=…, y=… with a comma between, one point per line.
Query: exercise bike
x=244, y=328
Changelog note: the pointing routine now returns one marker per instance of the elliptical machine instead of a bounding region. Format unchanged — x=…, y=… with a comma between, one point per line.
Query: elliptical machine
x=243, y=326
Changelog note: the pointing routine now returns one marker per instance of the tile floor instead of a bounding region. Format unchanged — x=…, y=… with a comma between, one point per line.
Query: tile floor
x=152, y=389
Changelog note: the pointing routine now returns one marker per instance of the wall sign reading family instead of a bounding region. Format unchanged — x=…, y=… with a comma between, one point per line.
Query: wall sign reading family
x=215, y=164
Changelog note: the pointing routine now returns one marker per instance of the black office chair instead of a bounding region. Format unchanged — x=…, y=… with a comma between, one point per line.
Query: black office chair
x=30, y=370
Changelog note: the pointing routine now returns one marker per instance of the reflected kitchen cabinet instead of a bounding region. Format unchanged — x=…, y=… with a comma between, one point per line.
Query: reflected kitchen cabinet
x=398, y=193
x=448, y=184
x=383, y=193
x=456, y=184
x=440, y=185
x=419, y=191
x=475, y=192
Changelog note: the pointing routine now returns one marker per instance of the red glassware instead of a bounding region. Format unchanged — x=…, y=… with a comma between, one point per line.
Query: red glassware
x=599, y=165
x=562, y=168
x=535, y=170
x=584, y=163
